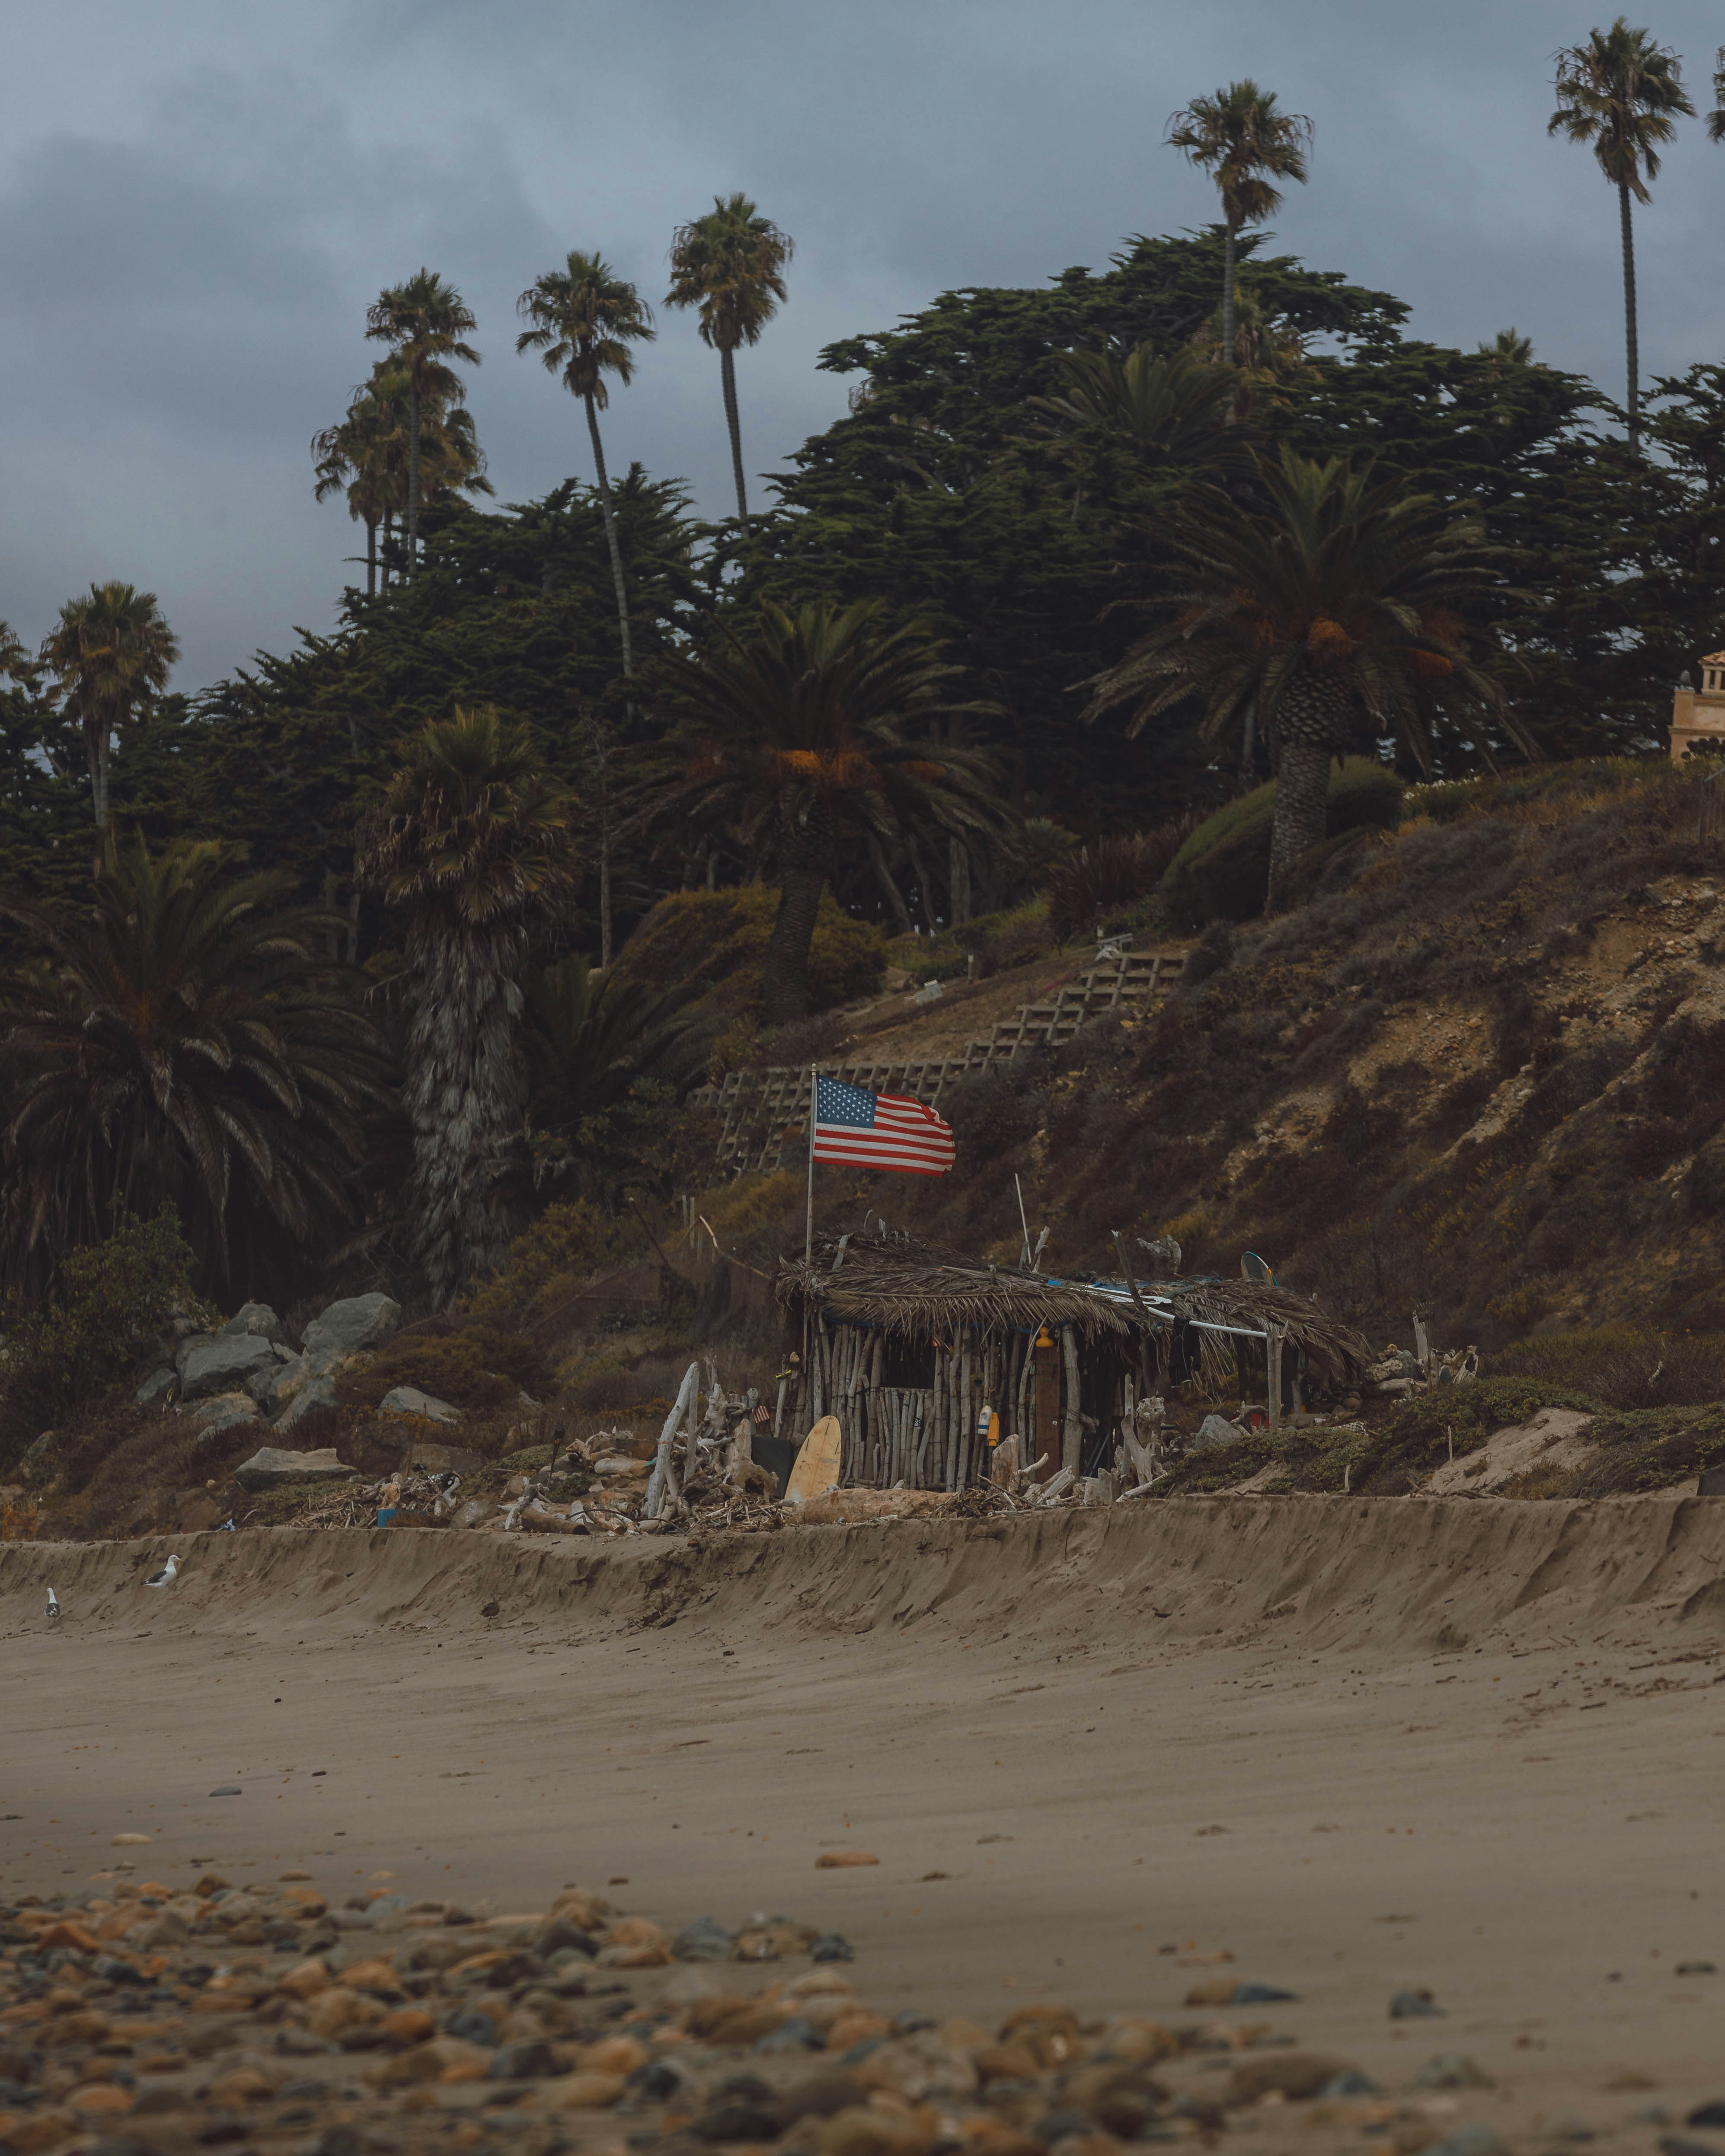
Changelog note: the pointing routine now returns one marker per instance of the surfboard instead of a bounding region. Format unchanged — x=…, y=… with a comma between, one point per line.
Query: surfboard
x=817, y=1468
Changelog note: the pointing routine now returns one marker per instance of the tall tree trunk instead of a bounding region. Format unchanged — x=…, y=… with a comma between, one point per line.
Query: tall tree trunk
x=805, y=854
x=466, y=1100
x=601, y=764
x=95, y=743
x=598, y=459
x=1630, y=340
x=1313, y=719
x=727, y=376
x=1228, y=277
x=958, y=882
x=888, y=888
x=413, y=474
x=370, y=557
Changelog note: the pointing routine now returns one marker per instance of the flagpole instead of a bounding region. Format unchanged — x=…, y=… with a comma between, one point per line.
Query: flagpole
x=808, y=1223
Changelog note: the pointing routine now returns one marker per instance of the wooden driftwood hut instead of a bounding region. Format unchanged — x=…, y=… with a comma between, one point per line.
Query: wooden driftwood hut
x=916, y=1348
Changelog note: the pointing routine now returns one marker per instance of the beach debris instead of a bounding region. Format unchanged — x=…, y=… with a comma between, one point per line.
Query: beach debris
x=1411, y=2005
x=53, y=1607
x=844, y=1859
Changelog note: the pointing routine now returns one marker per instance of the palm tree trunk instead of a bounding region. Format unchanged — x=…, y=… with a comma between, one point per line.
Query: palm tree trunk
x=602, y=761
x=727, y=376
x=1628, y=319
x=805, y=854
x=958, y=881
x=413, y=473
x=1228, y=266
x=786, y=969
x=598, y=459
x=370, y=557
x=95, y=743
x=465, y=1099
x=1313, y=719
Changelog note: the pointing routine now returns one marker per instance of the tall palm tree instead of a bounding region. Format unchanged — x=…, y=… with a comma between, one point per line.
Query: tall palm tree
x=1622, y=93
x=110, y=652
x=424, y=322
x=584, y=319
x=1339, y=606
x=361, y=453
x=1715, y=118
x=810, y=731
x=1240, y=138
x=472, y=842
x=193, y=1044
x=730, y=265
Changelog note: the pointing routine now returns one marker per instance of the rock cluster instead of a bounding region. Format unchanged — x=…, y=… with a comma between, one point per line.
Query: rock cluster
x=141, y=2017
x=249, y=1372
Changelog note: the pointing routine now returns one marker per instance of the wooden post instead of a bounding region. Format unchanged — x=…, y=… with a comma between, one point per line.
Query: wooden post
x=1072, y=1437
x=967, y=1417
x=1044, y=1439
x=1272, y=1357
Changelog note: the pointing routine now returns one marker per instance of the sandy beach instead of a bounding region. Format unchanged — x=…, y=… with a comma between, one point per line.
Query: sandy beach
x=1473, y=1747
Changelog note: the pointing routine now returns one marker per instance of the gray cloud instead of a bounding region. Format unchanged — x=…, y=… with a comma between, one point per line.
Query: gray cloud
x=197, y=203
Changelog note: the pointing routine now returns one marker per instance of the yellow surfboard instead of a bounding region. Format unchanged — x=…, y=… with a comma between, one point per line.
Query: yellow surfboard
x=817, y=1468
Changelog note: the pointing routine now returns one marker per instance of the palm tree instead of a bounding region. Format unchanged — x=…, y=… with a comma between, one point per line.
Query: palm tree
x=591, y=1040
x=472, y=842
x=585, y=320
x=366, y=453
x=424, y=322
x=1170, y=408
x=1715, y=118
x=110, y=652
x=1510, y=347
x=1621, y=92
x=193, y=1044
x=1340, y=605
x=361, y=453
x=808, y=731
x=730, y=265
x=1245, y=144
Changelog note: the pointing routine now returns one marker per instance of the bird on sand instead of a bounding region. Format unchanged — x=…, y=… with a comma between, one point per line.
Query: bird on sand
x=165, y=1578
x=53, y=1606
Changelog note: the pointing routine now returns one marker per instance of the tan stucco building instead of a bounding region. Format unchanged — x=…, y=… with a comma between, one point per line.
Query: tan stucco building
x=1699, y=713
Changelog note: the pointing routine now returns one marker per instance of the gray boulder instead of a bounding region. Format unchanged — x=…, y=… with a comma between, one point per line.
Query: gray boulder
x=409, y=1400
x=362, y=1320
x=224, y=1364
x=271, y=1466
x=255, y=1317
x=317, y=1392
x=156, y=1386
x=220, y=1412
x=1215, y=1434
x=188, y=1343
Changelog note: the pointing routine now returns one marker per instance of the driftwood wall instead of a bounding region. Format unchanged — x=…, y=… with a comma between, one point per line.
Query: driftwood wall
x=928, y=1437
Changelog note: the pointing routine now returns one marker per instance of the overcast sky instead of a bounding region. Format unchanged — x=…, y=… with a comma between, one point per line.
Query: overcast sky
x=199, y=199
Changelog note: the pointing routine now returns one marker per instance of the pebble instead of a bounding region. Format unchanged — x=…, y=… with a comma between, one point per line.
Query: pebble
x=843, y=1859
x=1409, y=2005
x=255, y=2020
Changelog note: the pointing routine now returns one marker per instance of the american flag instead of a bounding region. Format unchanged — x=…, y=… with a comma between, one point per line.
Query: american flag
x=879, y=1130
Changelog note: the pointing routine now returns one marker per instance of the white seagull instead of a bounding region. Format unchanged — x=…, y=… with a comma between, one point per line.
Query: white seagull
x=165, y=1578
x=54, y=1605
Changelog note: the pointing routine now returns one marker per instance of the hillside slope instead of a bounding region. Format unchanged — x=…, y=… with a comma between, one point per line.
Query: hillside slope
x=1480, y=1070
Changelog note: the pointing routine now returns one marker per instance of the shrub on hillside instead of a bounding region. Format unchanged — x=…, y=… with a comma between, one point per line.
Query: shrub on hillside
x=1089, y=889
x=1624, y=1366
x=1222, y=870
x=109, y=1304
x=711, y=943
x=472, y=1365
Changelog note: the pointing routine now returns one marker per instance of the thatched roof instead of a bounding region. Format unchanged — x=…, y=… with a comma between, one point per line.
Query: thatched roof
x=914, y=1287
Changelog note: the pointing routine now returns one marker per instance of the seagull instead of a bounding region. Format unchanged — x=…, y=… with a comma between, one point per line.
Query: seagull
x=165, y=1578
x=53, y=1606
